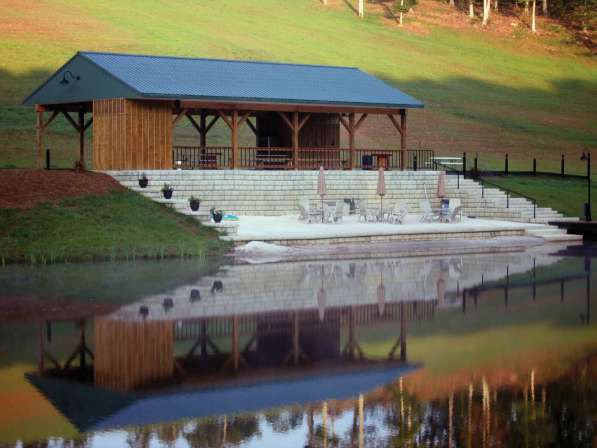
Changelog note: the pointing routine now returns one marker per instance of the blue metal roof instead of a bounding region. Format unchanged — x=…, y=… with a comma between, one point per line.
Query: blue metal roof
x=224, y=80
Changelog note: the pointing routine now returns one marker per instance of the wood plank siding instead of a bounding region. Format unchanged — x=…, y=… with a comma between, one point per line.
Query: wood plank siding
x=132, y=134
x=132, y=354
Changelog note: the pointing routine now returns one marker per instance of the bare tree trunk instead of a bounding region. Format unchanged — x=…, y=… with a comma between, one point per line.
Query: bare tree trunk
x=452, y=3
x=471, y=9
x=495, y=5
x=526, y=7
x=533, y=27
x=401, y=5
x=361, y=8
x=544, y=9
x=486, y=9
x=325, y=2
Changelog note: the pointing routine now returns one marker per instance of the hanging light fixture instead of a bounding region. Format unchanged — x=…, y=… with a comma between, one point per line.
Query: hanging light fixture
x=65, y=81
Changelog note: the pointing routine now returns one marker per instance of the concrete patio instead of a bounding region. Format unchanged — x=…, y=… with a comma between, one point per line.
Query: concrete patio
x=288, y=230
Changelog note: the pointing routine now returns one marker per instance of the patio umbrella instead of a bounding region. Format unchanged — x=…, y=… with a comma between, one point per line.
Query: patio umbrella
x=381, y=297
x=381, y=188
x=441, y=185
x=321, y=190
x=441, y=290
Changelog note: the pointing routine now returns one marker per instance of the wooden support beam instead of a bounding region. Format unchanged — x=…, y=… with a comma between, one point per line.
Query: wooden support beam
x=82, y=344
x=204, y=129
x=252, y=126
x=295, y=139
x=286, y=120
x=54, y=115
x=351, y=157
x=403, y=139
x=344, y=122
x=402, y=332
x=235, y=350
x=181, y=114
x=211, y=123
x=234, y=139
x=360, y=122
x=194, y=123
x=304, y=121
x=89, y=123
x=225, y=117
x=39, y=130
x=395, y=123
x=81, y=139
x=42, y=343
x=243, y=118
x=70, y=120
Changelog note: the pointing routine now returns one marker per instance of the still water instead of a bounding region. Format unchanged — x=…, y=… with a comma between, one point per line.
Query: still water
x=460, y=351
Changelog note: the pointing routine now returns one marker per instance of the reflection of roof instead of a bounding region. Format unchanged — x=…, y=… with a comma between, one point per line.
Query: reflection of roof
x=97, y=409
x=33, y=309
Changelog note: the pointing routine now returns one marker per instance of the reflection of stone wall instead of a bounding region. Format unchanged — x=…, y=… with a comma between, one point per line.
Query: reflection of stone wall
x=291, y=286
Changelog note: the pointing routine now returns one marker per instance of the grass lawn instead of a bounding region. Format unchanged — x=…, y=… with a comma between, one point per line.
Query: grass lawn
x=566, y=195
x=117, y=225
x=484, y=93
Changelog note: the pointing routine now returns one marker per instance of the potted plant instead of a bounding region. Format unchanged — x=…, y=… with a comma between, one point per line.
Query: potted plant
x=167, y=191
x=143, y=181
x=216, y=215
x=194, y=203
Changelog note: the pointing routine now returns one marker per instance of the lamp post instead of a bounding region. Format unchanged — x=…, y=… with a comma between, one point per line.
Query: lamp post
x=587, y=158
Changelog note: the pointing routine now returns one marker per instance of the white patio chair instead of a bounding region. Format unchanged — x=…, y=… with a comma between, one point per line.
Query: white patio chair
x=362, y=210
x=307, y=212
x=455, y=211
x=341, y=210
x=398, y=214
x=329, y=211
x=428, y=213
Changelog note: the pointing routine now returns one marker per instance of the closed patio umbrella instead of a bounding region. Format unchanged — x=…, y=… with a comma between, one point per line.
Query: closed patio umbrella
x=441, y=185
x=321, y=189
x=381, y=188
x=381, y=298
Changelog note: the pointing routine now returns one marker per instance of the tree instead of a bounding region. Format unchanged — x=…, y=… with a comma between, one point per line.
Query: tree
x=533, y=26
x=471, y=9
x=361, y=8
x=486, y=11
x=401, y=7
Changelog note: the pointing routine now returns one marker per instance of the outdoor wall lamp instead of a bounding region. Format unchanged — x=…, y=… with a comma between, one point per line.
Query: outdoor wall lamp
x=65, y=81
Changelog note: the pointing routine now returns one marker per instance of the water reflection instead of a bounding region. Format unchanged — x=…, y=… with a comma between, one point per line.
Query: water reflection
x=475, y=350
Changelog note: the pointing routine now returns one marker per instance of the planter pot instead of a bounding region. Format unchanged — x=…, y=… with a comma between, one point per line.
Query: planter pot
x=167, y=193
x=143, y=182
x=216, y=215
x=194, y=205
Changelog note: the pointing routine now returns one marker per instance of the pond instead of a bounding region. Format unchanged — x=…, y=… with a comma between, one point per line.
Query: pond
x=459, y=350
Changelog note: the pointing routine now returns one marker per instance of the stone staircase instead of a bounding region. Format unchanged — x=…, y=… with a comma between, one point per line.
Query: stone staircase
x=271, y=193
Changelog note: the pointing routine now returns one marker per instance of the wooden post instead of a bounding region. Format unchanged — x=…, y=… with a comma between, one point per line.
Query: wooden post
x=234, y=139
x=295, y=338
x=403, y=139
x=82, y=138
x=295, y=139
x=402, y=332
x=42, y=348
x=235, y=350
x=39, y=134
x=82, y=345
x=352, y=157
x=203, y=130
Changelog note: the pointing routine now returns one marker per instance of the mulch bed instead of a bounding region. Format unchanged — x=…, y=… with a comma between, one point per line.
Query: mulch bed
x=26, y=188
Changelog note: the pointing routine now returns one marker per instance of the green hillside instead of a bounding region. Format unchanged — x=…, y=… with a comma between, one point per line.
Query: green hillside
x=484, y=91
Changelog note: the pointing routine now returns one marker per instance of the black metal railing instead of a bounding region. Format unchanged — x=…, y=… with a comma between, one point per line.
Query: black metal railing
x=332, y=158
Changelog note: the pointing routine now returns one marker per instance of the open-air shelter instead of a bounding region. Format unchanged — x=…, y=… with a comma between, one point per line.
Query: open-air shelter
x=295, y=111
